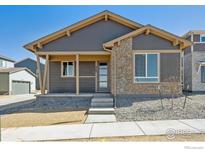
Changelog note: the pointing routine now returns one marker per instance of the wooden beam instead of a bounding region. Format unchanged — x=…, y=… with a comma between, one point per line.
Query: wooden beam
x=181, y=46
x=81, y=58
x=39, y=45
x=175, y=42
x=106, y=17
x=147, y=32
x=39, y=72
x=68, y=33
x=77, y=74
x=45, y=74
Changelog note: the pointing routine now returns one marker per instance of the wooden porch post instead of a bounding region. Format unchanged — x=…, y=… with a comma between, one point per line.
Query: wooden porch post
x=39, y=73
x=45, y=74
x=96, y=76
x=77, y=74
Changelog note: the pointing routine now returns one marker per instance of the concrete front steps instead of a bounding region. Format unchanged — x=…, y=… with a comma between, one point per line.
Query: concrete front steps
x=101, y=109
x=102, y=104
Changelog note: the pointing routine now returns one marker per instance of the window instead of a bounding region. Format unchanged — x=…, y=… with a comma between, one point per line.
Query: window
x=202, y=38
x=146, y=68
x=103, y=71
x=203, y=74
x=67, y=69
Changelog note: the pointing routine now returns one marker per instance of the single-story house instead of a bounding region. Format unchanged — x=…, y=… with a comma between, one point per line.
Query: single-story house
x=17, y=81
x=109, y=53
x=32, y=66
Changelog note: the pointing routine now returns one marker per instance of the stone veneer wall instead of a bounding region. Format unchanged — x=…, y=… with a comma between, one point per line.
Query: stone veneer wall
x=125, y=77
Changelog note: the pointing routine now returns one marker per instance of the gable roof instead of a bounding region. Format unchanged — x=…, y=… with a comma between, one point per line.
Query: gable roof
x=7, y=58
x=81, y=24
x=154, y=30
x=30, y=59
x=15, y=69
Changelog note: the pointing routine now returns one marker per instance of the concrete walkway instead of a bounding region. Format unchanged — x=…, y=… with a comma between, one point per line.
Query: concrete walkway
x=100, y=118
x=60, y=132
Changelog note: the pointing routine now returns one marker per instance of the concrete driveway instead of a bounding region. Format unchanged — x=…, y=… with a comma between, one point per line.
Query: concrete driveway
x=76, y=131
x=13, y=99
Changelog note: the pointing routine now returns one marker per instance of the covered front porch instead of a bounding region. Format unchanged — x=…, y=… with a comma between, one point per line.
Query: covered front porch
x=74, y=73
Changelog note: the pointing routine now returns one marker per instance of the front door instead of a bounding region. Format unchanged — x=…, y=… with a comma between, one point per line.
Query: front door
x=103, y=77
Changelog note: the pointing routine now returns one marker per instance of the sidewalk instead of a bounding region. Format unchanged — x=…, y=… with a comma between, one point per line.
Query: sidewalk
x=61, y=132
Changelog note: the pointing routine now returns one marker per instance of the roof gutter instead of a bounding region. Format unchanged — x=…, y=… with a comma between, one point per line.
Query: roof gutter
x=106, y=49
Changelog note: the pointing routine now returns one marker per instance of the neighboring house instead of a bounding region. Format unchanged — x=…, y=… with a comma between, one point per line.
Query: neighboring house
x=31, y=65
x=109, y=53
x=194, y=61
x=17, y=81
x=6, y=62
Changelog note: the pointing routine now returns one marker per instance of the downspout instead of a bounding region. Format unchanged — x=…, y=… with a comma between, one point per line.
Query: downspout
x=115, y=77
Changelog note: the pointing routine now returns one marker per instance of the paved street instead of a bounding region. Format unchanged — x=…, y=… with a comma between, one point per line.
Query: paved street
x=76, y=131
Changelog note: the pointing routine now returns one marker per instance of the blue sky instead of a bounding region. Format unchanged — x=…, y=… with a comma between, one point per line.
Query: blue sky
x=22, y=24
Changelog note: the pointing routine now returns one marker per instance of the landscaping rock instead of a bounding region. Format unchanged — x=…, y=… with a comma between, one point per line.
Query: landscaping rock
x=150, y=109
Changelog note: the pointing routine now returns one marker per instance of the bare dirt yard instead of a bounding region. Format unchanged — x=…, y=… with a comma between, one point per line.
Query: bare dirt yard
x=42, y=119
x=151, y=109
x=150, y=138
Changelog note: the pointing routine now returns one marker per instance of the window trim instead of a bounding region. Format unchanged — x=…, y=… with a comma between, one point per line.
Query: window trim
x=202, y=35
x=67, y=76
x=158, y=67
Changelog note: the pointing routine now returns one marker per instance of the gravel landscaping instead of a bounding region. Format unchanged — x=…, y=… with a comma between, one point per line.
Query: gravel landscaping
x=45, y=106
x=141, y=109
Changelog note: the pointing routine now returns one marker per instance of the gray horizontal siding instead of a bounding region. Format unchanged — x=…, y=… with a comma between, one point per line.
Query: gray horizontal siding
x=151, y=42
x=89, y=38
x=188, y=72
x=169, y=67
x=87, y=68
x=4, y=83
x=57, y=84
x=199, y=47
x=187, y=50
x=87, y=84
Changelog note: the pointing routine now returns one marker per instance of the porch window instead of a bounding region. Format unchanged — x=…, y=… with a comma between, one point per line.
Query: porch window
x=67, y=69
x=203, y=74
x=146, y=68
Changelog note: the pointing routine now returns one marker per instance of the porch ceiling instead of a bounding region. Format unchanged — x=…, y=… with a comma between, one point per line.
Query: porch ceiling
x=81, y=57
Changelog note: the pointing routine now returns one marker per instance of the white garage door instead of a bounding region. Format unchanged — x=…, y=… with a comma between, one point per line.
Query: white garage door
x=20, y=87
